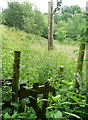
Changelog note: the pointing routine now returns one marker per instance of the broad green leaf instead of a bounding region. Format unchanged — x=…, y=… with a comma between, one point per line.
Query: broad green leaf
x=75, y=98
x=7, y=116
x=70, y=103
x=15, y=114
x=44, y=100
x=71, y=114
x=25, y=101
x=75, y=51
x=15, y=104
x=66, y=82
x=56, y=98
x=58, y=115
x=6, y=110
x=1, y=103
x=77, y=94
x=0, y=115
x=50, y=107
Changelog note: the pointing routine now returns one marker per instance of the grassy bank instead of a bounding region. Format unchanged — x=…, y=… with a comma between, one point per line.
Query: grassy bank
x=37, y=63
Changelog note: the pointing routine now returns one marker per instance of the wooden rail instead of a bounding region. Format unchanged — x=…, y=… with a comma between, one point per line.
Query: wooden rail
x=23, y=92
x=32, y=93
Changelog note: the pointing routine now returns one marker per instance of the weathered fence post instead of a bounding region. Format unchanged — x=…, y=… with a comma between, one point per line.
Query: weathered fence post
x=87, y=53
x=87, y=65
x=21, y=109
x=61, y=75
x=50, y=25
x=32, y=93
x=15, y=80
x=33, y=101
x=79, y=65
x=35, y=93
x=45, y=97
x=87, y=46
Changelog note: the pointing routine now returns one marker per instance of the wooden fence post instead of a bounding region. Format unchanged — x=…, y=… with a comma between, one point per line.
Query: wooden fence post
x=87, y=46
x=33, y=101
x=15, y=80
x=61, y=72
x=87, y=65
x=45, y=96
x=35, y=93
x=79, y=65
x=61, y=76
x=50, y=25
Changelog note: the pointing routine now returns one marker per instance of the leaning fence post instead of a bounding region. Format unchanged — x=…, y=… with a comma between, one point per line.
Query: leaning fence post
x=15, y=80
x=79, y=65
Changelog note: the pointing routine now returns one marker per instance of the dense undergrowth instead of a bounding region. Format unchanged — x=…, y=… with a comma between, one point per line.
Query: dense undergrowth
x=39, y=65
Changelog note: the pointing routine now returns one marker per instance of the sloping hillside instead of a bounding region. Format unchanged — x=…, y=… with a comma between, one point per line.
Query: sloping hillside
x=37, y=63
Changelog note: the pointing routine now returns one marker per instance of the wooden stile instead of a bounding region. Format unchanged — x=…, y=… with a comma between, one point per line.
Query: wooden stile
x=21, y=91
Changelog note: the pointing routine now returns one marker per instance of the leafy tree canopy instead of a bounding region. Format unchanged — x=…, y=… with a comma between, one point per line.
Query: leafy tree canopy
x=24, y=16
x=72, y=9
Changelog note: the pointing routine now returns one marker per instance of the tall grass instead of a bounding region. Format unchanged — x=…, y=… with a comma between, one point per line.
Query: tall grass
x=37, y=63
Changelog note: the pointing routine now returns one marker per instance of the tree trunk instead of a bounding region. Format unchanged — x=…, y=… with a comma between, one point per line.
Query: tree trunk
x=50, y=25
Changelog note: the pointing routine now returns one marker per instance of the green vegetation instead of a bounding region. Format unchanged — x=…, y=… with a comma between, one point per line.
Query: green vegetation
x=39, y=65
x=68, y=26
x=24, y=17
x=72, y=9
x=24, y=28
